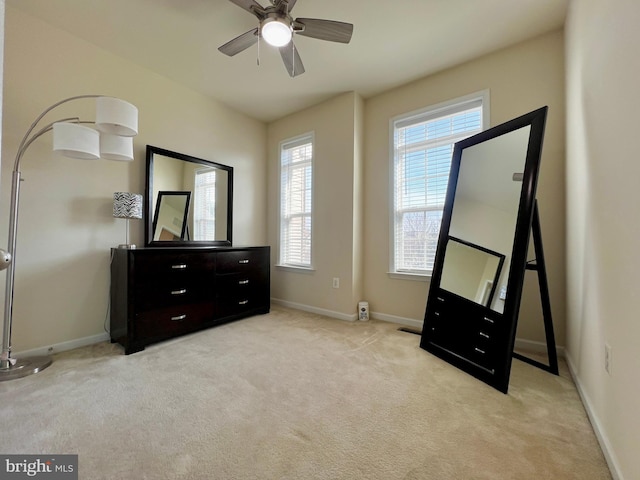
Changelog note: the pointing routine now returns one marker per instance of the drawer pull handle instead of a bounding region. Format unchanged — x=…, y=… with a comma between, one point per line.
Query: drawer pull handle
x=178, y=318
x=482, y=334
x=243, y=282
x=479, y=351
x=180, y=266
x=243, y=261
x=243, y=302
x=440, y=299
x=489, y=320
x=179, y=292
x=437, y=314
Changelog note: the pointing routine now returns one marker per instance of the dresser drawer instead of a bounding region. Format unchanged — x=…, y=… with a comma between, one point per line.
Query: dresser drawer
x=240, y=261
x=154, y=265
x=172, y=320
x=236, y=282
x=164, y=294
x=238, y=303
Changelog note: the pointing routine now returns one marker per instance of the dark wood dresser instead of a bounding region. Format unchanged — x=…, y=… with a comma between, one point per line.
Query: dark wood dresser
x=160, y=293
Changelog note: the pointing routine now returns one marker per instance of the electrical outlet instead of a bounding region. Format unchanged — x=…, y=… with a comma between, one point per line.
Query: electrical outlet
x=336, y=282
x=608, y=358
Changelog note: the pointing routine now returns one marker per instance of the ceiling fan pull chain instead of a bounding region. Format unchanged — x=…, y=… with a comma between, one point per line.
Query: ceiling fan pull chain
x=258, y=59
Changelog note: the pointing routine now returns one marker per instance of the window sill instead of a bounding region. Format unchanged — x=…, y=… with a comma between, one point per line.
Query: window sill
x=418, y=277
x=290, y=268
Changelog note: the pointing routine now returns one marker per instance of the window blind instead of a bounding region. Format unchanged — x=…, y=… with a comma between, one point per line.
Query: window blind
x=296, y=184
x=423, y=146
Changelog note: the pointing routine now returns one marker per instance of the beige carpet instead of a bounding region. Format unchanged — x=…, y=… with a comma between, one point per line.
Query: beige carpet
x=292, y=395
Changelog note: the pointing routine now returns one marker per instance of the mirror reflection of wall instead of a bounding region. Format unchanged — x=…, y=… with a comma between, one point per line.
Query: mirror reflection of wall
x=486, y=201
x=207, y=219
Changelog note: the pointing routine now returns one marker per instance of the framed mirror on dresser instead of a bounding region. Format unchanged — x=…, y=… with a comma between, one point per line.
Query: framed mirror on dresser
x=207, y=185
x=188, y=276
x=489, y=215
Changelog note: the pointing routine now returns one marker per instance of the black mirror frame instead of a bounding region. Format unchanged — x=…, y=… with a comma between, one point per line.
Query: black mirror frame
x=149, y=214
x=163, y=194
x=499, y=379
x=498, y=255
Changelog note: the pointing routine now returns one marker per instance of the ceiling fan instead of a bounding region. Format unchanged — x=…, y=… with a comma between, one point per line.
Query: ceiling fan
x=276, y=27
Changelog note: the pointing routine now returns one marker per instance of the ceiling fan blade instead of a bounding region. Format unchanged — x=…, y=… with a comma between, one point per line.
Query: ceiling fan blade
x=291, y=59
x=248, y=4
x=325, y=29
x=240, y=43
x=291, y=4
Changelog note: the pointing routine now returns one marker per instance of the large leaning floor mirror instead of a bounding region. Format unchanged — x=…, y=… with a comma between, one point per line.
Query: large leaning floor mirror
x=489, y=216
x=189, y=200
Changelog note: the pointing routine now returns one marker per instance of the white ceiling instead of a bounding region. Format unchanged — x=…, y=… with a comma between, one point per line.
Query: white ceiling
x=394, y=42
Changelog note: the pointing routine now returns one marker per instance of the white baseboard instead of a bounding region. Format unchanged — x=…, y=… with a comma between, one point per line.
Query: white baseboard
x=62, y=347
x=320, y=311
x=345, y=316
x=603, y=440
x=409, y=322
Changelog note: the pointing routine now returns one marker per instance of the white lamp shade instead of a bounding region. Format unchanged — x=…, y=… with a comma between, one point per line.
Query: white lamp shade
x=116, y=117
x=127, y=205
x=115, y=147
x=77, y=141
x=276, y=32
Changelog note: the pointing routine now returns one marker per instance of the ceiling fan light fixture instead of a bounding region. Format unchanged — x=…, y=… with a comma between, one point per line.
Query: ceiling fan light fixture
x=276, y=32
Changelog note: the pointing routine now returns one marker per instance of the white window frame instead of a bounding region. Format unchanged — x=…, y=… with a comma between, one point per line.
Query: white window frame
x=433, y=111
x=284, y=145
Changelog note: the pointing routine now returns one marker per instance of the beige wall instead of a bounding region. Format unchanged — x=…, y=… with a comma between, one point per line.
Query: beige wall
x=337, y=128
x=66, y=226
x=603, y=224
x=520, y=79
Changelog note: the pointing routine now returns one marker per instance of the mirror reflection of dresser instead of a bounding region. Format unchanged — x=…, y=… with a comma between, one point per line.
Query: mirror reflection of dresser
x=188, y=276
x=481, y=258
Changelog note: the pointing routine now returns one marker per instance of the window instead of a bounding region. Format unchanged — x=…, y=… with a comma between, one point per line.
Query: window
x=421, y=159
x=296, y=193
x=204, y=209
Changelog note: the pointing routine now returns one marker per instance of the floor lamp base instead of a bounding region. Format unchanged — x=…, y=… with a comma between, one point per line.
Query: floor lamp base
x=25, y=366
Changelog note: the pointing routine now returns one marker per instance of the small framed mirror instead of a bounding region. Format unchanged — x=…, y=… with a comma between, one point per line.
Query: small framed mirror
x=471, y=271
x=200, y=189
x=170, y=217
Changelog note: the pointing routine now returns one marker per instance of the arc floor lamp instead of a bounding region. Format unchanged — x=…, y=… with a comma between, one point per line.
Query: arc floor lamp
x=115, y=125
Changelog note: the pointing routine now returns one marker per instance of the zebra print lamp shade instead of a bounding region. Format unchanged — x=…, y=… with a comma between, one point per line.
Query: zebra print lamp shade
x=127, y=205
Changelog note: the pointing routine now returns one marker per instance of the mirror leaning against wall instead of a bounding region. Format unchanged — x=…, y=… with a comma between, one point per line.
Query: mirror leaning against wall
x=481, y=258
x=189, y=200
